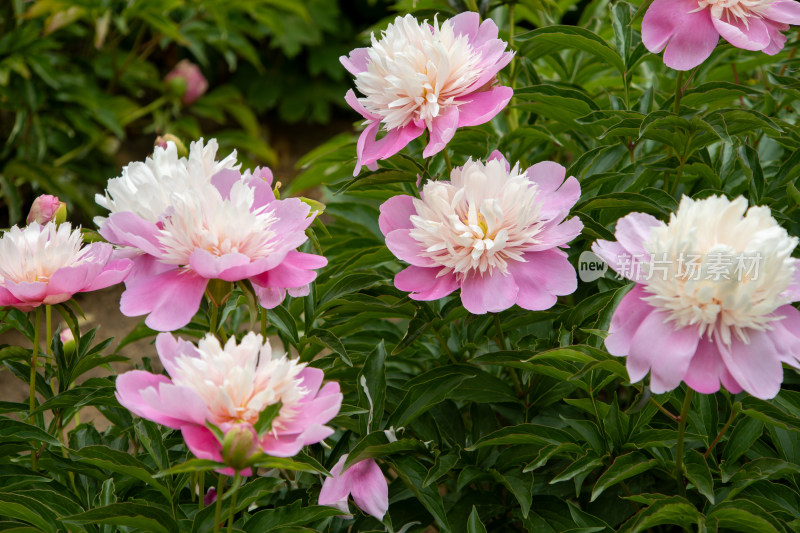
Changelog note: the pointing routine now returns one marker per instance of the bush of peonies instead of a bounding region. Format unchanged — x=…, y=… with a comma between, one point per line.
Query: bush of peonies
x=449, y=319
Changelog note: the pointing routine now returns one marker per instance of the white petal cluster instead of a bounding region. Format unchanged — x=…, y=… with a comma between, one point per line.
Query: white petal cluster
x=238, y=382
x=200, y=218
x=721, y=266
x=416, y=70
x=35, y=252
x=730, y=10
x=483, y=218
x=145, y=188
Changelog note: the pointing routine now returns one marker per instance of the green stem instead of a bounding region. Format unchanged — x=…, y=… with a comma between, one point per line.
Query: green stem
x=687, y=403
x=664, y=410
x=37, y=326
x=237, y=478
x=734, y=412
x=48, y=318
x=263, y=316
x=447, y=161
x=678, y=92
x=220, y=494
x=201, y=490
x=678, y=175
x=212, y=320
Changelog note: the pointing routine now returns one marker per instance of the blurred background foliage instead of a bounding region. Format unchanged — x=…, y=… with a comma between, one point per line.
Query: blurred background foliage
x=82, y=88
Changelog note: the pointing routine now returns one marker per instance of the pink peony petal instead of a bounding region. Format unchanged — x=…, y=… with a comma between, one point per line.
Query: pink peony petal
x=544, y=276
x=202, y=443
x=692, y=43
x=405, y=247
x=357, y=61
x=444, y=127
x=481, y=107
x=127, y=229
x=705, y=371
x=210, y=266
x=783, y=11
x=497, y=156
x=115, y=271
x=657, y=346
x=753, y=36
x=633, y=231
x=756, y=366
x=224, y=181
x=396, y=213
x=628, y=316
x=777, y=39
x=135, y=390
x=269, y=298
x=71, y=279
x=424, y=284
x=32, y=292
x=465, y=23
x=662, y=20
x=391, y=143
x=369, y=488
x=171, y=298
x=336, y=489
x=490, y=293
x=553, y=235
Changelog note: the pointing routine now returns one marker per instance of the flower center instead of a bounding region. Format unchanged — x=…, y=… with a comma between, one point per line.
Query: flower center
x=238, y=382
x=728, y=10
x=416, y=70
x=480, y=220
x=35, y=252
x=201, y=219
x=718, y=268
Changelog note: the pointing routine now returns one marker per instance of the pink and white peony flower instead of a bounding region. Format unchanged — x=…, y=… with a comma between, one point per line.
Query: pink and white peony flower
x=364, y=481
x=146, y=188
x=45, y=208
x=493, y=231
x=231, y=229
x=711, y=304
x=229, y=387
x=418, y=77
x=47, y=264
x=690, y=29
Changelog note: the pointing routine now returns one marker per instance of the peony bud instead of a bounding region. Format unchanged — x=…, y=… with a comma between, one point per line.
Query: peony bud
x=190, y=75
x=237, y=447
x=46, y=208
x=210, y=497
x=162, y=141
x=67, y=340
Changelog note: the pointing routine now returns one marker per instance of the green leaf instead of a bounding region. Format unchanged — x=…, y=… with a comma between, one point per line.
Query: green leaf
x=520, y=485
x=623, y=467
x=445, y=462
x=413, y=474
x=289, y=515
x=697, y=472
x=17, y=506
x=128, y=514
x=377, y=444
x=739, y=515
x=15, y=431
x=524, y=434
x=553, y=39
x=372, y=387
x=284, y=321
x=325, y=338
x=265, y=418
x=423, y=396
x=120, y=462
x=672, y=510
x=474, y=524
x=741, y=439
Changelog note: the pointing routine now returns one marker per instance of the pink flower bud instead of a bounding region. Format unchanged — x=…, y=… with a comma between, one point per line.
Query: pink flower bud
x=196, y=84
x=237, y=447
x=162, y=140
x=66, y=336
x=210, y=497
x=47, y=207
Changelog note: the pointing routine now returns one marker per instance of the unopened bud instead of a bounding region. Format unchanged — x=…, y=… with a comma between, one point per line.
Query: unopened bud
x=162, y=141
x=67, y=340
x=47, y=208
x=237, y=447
x=187, y=76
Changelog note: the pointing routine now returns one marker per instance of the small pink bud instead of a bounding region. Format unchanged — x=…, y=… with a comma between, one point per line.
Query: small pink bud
x=46, y=208
x=67, y=340
x=162, y=140
x=210, y=497
x=192, y=77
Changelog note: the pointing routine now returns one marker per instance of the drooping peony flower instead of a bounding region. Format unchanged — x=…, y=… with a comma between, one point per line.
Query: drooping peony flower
x=492, y=231
x=192, y=76
x=364, y=481
x=711, y=304
x=229, y=387
x=146, y=188
x=231, y=229
x=690, y=29
x=418, y=77
x=45, y=208
x=48, y=264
